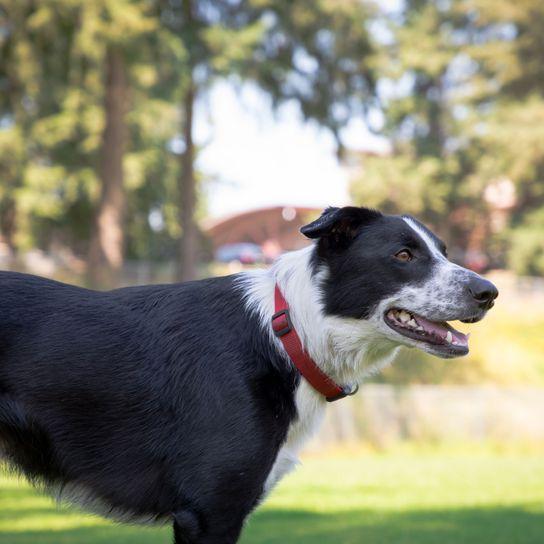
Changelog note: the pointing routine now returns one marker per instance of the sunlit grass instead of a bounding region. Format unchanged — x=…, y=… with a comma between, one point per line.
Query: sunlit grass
x=412, y=496
x=509, y=343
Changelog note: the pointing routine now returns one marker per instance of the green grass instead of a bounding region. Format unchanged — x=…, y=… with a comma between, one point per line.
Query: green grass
x=395, y=498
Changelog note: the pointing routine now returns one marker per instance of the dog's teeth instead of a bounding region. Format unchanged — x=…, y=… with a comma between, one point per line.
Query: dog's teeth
x=404, y=316
x=449, y=337
x=419, y=328
x=413, y=323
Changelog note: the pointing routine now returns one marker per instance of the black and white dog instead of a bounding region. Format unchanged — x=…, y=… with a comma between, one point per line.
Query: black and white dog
x=179, y=402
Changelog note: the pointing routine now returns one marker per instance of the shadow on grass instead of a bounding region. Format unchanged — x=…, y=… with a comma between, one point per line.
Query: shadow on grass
x=506, y=525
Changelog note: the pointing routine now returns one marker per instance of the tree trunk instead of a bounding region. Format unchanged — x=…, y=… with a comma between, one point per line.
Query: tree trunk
x=8, y=215
x=107, y=238
x=188, y=248
x=187, y=194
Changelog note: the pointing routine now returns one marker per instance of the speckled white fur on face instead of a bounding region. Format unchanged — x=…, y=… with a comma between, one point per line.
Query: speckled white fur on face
x=443, y=294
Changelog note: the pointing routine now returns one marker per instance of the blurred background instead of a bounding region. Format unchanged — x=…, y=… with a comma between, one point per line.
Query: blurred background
x=147, y=141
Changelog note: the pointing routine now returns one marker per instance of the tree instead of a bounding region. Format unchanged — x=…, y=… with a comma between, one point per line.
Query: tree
x=197, y=25
x=106, y=247
x=187, y=181
x=57, y=122
x=92, y=88
x=320, y=55
x=429, y=106
x=424, y=81
x=120, y=26
x=33, y=62
x=511, y=95
x=464, y=110
x=317, y=55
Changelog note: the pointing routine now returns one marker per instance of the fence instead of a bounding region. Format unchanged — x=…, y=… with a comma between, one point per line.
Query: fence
x=385, y=414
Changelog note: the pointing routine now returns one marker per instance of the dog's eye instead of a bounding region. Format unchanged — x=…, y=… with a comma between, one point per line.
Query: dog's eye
x=403, y=255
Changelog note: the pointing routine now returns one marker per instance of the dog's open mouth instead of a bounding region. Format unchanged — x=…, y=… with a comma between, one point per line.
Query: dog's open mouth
x=441, y=336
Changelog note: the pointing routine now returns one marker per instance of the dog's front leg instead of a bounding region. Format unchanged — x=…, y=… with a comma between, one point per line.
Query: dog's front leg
x=187, y=530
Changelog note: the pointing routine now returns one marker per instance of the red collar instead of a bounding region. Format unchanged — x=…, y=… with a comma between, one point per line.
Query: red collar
x=284, y=330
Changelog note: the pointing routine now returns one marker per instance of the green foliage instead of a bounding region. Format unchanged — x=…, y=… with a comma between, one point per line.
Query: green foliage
x=398, y=184
x=423, y=174
x=459, y=85
x=53, y=68
x=464, y=112
x=512, y=46
x=319, y=54
x=526, y=255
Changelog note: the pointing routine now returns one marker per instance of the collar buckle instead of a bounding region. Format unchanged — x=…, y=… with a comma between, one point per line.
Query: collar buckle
x=283, y=328
x=347, y=391
x=281, y=323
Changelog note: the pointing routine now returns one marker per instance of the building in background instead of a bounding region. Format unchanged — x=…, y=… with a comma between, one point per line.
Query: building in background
x=274, y=230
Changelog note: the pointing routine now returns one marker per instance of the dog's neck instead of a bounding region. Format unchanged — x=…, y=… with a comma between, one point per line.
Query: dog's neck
x=347, y=349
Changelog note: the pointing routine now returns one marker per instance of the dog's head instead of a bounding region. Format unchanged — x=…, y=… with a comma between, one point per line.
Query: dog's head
x=393, y=272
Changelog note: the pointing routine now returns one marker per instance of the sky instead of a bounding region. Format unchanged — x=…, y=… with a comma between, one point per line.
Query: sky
x=257, y=158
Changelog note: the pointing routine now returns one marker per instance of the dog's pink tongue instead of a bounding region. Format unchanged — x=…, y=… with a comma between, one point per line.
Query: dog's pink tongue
x=441, y=330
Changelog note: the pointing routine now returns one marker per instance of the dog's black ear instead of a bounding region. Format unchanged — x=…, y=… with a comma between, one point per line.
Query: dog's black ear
x=340, y=224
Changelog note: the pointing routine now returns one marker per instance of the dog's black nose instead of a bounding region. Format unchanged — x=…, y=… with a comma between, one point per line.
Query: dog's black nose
x=483, y=291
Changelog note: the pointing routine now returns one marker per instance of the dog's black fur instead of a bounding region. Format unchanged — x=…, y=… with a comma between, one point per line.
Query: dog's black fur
x=172, y=402
x=163, y=400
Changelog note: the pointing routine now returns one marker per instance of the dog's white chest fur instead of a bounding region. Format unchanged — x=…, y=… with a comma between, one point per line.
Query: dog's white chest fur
x=346, y=349
x=311, y=410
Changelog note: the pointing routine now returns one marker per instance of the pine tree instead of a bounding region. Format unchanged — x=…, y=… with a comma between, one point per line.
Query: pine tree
x=88, y=100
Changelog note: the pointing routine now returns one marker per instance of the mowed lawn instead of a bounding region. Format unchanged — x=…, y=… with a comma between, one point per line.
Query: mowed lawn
x=394, y=498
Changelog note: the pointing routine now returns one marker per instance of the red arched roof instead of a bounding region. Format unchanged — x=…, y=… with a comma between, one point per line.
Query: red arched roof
x=279, y=224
